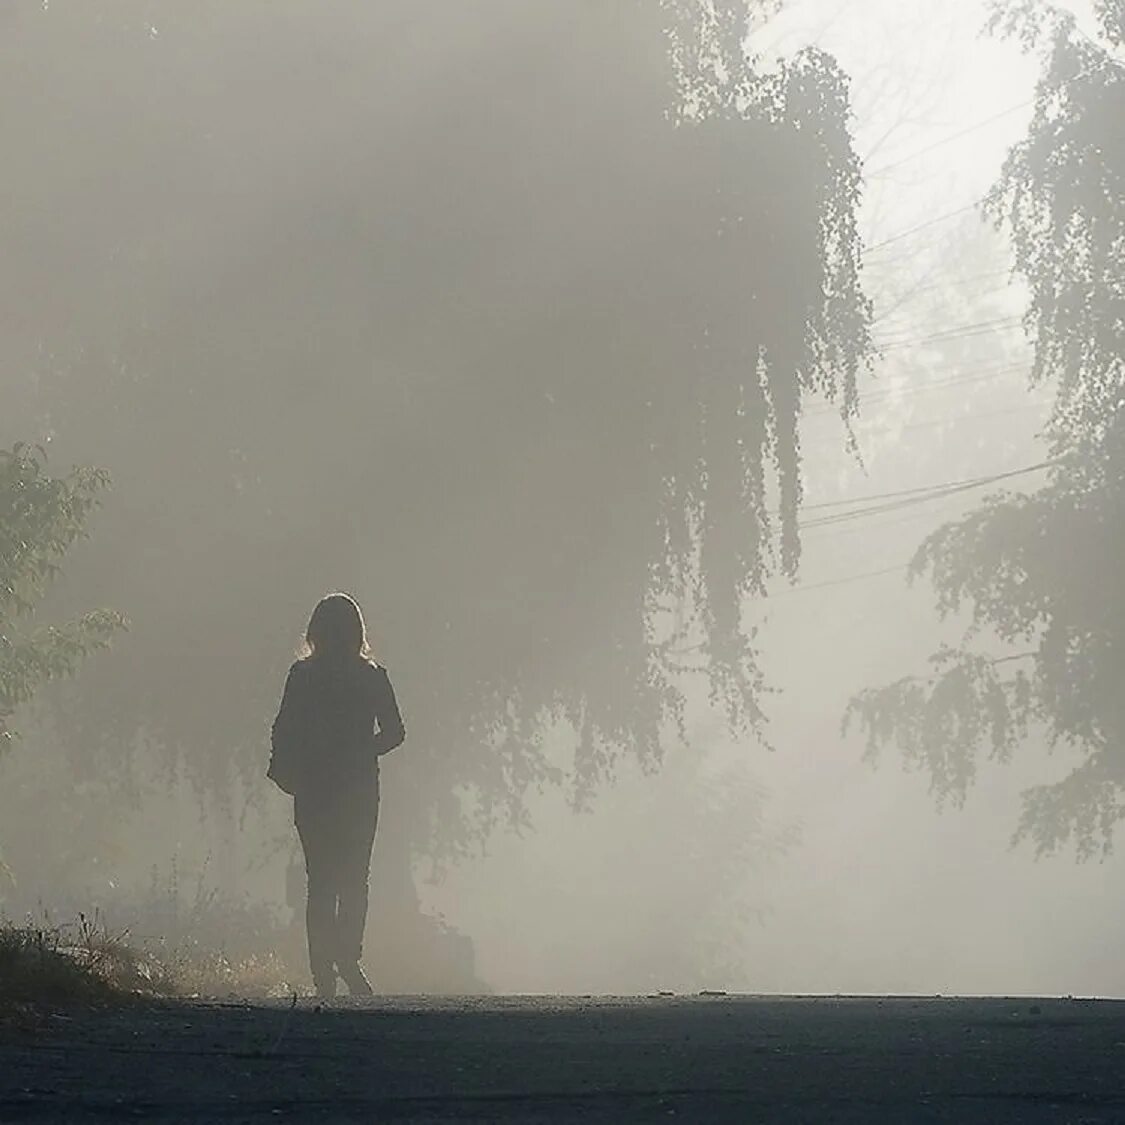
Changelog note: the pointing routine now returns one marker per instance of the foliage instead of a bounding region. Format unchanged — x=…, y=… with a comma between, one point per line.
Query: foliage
x=1040, y=572
x=528, y=388
x=1062, y=195
x=41, y=517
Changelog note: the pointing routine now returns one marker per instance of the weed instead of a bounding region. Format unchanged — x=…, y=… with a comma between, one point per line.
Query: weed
x=58, y=965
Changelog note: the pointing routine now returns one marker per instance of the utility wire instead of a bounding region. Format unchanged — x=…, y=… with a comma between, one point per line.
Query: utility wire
x=804, y=587
x=924, y=225
x=890, y=394
x=962, y=332
x=943, y=486
x=886, y=522
x=956, y=284
x=938, y=144
x=893, y=502
x=985, y=122
x=880, y=503
x=972, y=326
x=976, y=127
x=938, y=492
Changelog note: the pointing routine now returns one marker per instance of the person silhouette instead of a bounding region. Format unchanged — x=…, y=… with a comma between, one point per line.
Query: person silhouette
x=338, y=716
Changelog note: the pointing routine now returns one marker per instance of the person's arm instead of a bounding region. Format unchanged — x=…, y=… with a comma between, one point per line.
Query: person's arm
x=391, y=730
x=285, y=736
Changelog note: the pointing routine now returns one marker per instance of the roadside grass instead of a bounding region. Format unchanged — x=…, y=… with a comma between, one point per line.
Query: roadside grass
x=191, y=972
x=78, y=963
x=85, y=964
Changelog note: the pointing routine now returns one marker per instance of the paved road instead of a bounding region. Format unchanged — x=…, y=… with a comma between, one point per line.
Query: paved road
x=703, y=1059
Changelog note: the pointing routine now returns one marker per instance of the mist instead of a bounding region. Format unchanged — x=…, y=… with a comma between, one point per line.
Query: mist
x=434, y=304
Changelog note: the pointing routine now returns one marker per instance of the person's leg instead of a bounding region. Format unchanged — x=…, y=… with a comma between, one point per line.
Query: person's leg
x=354, y=873
x=320, y=911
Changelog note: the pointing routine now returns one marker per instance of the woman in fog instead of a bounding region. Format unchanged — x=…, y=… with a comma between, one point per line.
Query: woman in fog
x=338, y=715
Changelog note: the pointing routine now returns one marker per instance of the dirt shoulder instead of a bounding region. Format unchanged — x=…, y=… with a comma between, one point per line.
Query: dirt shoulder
x=552, y=1059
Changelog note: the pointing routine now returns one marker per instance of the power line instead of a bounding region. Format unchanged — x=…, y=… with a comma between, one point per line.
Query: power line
x=938, y=144
x=957, y=285
x=893, y=502
x=959, y=419
x=880, y=503
x=922, y=226
x=983, y=124
x=962, y=332
x=995, y=322
x=889, y=394
x=943, y=486
x=886, y=521
x=804, y=587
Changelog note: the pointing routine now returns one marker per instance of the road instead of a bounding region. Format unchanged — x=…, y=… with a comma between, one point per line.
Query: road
x=552, y=1059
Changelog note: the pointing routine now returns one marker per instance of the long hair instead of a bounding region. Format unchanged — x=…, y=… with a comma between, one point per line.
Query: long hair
x=336, y=629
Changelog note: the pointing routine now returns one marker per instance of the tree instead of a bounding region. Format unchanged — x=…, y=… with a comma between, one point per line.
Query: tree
x=522, y=371
x=1039, y=573
x=41, y=517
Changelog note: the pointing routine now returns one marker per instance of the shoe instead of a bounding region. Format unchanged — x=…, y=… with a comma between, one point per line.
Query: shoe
x=356, y=980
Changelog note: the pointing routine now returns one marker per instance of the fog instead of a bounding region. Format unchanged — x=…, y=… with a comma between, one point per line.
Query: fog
x=428, y=303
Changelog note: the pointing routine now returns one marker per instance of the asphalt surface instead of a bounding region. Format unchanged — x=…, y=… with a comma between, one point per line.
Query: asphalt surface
x=705, y=1059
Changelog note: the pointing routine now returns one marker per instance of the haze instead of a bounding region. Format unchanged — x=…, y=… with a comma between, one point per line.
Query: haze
x=278, y=266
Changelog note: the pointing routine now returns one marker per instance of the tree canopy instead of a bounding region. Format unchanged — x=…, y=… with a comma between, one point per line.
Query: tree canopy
x=1039, y=573
x=460, y=318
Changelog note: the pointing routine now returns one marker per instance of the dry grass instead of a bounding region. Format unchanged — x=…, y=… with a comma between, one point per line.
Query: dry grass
x=63, y=964
x=82, y=963
x=196, y=973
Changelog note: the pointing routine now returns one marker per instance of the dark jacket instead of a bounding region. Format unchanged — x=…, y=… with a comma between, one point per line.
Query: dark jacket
x=335, y=720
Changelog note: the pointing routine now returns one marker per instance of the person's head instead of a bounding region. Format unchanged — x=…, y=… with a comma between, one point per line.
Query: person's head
x=336, y=628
